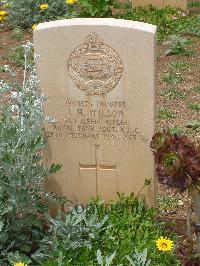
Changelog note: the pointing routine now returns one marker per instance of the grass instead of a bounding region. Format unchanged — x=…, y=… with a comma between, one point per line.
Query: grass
x=173, y=93
x=172, y=78
x=193, y=124
x=187, y=25
x=197, y=89
x=178, y=45
x=17, y=34
x=194, y=106
x=16, y=56
x=176, y=130
x=180, y=65
x=194, y=4
x=168, y=20
x=165, y=113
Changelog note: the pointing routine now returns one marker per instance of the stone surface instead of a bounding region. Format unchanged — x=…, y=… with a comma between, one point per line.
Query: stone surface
x=156, y=3
x=161, y=3
x=99, y=76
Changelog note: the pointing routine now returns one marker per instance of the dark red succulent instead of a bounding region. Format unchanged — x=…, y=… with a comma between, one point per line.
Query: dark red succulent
x=177, y=159
x=192, y=263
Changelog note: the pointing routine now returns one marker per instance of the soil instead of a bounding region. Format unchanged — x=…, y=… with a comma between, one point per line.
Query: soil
x=174, y=211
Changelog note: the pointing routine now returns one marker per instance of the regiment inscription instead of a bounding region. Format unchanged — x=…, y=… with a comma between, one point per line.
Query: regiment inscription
x=96, y=120
x=94, y=67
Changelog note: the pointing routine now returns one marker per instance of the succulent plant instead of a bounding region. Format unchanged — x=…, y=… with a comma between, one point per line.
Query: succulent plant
x=177, y=160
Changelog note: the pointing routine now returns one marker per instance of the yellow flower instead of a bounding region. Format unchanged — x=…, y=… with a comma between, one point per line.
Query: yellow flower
x=7, y=5
x=2, y=18
x=20, y=264
x=164, y=244
x=34, y=26
x=3, y=13
x=44, y=6
x=71, y=2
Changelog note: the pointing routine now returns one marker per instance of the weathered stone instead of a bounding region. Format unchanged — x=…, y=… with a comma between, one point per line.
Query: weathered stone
x=99, y=76
x=161, y=3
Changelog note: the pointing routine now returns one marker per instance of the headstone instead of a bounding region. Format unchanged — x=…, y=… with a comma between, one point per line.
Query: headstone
x=99, y=76
x=161, y=3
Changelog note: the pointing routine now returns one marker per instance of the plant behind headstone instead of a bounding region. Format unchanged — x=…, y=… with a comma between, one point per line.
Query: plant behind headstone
x=25, y=13
x=97, y=8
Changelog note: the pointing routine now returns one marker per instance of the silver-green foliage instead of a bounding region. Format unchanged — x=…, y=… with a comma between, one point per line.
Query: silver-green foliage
x=139, y=258
x=22, y=195
x=72, y=231
x=108, y=259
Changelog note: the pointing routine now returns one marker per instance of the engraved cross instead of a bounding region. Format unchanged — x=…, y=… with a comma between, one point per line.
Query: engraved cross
x=98, y=166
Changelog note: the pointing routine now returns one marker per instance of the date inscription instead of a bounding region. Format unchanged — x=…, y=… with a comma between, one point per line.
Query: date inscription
x=89, y=120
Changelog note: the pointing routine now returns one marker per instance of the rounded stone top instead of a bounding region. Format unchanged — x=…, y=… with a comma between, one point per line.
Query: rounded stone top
x=112, y=22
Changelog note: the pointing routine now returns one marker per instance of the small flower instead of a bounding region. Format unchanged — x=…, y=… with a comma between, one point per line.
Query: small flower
x=20, y=264
x=2, y=18
x=44, y=6
x=71, y=2
x=180, y=203
x=34, y=26
x=164, y=244
x=3, y=13
x=174, y=18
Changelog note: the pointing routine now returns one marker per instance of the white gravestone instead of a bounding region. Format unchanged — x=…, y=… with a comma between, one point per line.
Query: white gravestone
x=99, y=76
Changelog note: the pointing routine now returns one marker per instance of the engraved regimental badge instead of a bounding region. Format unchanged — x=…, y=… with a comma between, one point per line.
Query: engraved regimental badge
x=94, y=67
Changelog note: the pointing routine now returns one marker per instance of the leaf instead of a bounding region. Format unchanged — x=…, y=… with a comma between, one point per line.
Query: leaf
x=16, y=257
x=1, y=225
x=168, y=51
x=130, y=260
x=193, y=124
x=110, y=259
x=99, y=257
x=54, y=168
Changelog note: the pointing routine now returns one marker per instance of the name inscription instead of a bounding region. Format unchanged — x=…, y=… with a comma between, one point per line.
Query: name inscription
x=87, y=120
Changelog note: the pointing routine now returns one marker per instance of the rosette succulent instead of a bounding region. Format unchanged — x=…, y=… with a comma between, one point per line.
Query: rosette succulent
x=177, y=160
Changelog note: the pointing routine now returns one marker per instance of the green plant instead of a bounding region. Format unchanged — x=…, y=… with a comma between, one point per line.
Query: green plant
x=176, y=130
x=173, y=93
x=194, y=124
x=23, y=201
x=172, y=78
x=25, y=13
x=197, y=89
x=165, y=113
x=163, y=18
x=180, y=65
x=17, y=34
x=108, y=259
x=115, y=229
x=96, y=8
x=177, y=161
x=4, y=68
x=194, y=106
x=178, y=45
x=139, y=259
x=189, y=24
x=16, y=56
x=193, y=4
